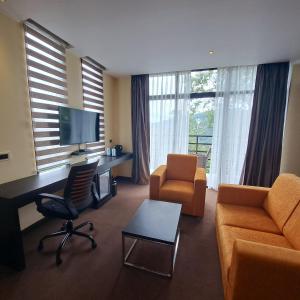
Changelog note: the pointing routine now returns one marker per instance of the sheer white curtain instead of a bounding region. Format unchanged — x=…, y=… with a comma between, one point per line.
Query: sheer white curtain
x=233, y=105
x=169, y=115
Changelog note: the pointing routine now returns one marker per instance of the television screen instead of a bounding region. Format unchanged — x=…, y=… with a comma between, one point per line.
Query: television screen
x=77, y=126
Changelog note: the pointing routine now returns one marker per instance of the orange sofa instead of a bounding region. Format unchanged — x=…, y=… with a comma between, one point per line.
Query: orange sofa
x=258, y=232
x=182, y=182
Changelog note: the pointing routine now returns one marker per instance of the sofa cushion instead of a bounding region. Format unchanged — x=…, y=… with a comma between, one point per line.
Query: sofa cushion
x=228, y=234
x=283, y=198
x=291, y=229
x=246, y=217
x=177, y=191
x=181, y=167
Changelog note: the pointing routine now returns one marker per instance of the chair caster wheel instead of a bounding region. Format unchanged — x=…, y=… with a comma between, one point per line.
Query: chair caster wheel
x=58, y=261
x=40, y=246
x=94, y=245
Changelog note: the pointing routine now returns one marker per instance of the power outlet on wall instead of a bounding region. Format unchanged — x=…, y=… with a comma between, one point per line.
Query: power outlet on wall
x=4, y=156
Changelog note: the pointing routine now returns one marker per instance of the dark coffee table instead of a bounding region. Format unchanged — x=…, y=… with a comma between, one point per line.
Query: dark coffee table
x=154, y=221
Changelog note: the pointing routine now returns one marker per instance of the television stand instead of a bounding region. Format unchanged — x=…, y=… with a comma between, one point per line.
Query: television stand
x=81, y=152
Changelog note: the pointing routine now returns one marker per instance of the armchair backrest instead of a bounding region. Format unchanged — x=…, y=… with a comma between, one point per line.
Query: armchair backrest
x=79, y=184
x=181, y=167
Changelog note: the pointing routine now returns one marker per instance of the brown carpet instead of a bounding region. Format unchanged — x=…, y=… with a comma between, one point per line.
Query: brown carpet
x=99, y=274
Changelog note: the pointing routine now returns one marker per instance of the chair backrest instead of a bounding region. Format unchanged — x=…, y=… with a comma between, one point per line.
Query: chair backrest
x=79, y=184
x=181, y=167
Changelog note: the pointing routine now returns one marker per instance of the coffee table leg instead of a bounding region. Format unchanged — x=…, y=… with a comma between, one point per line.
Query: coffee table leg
x=174, y=254
x=172, y=262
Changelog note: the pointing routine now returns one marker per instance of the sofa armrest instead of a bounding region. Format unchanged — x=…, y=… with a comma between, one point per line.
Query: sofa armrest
x=242, y=194
x=157, y=178
x=260, y=271
x=199, y=192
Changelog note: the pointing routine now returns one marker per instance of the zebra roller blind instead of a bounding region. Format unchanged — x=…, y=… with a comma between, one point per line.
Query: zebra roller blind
x=92, y=84
x=46, y=70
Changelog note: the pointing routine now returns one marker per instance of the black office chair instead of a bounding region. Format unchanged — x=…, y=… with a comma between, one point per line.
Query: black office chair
x=77, y=197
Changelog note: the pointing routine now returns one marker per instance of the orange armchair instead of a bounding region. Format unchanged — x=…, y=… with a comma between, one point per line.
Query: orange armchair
x=182, y=182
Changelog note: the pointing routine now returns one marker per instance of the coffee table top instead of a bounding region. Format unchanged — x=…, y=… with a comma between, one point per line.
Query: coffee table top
x=156, y=221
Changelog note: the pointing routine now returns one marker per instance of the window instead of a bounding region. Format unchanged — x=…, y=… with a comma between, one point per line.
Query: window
x=46, y=70
x=92, y=84
x=201, y=112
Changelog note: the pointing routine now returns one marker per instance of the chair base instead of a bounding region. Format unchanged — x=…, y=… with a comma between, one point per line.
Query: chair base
x=67, y=230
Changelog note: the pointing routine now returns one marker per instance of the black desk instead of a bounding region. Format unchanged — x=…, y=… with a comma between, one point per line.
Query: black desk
x=18, y=193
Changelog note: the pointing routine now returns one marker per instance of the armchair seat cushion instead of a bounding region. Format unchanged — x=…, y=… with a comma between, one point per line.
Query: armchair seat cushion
x=246, y=217
x=228, y=234
x=177, y=191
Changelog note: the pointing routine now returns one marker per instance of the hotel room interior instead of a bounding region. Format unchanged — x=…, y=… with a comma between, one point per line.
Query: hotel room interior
x=150, y=149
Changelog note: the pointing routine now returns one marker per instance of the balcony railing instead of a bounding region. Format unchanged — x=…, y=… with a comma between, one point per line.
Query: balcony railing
x=201, y=145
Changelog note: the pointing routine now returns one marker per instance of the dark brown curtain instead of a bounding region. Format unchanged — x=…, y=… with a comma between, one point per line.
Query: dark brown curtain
x=140, y=128
x=262, y=163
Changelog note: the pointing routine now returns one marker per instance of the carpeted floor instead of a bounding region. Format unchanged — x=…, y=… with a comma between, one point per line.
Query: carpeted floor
x=99, y=274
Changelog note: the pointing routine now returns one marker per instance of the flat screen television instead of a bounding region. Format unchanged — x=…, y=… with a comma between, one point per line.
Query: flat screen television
x=78, y=126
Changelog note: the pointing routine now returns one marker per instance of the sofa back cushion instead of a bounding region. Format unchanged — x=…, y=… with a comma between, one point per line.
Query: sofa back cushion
x=291, y=229
x=181, y=167
x=282, y=199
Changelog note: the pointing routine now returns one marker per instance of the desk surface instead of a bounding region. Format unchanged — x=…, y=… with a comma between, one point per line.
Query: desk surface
x=48, y=181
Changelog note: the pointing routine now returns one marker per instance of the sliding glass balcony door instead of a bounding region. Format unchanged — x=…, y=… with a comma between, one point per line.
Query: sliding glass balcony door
x=181, y=114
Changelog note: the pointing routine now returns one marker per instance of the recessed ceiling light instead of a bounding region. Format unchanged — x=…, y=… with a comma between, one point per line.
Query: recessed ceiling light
x=211, y=52
x=2, y=1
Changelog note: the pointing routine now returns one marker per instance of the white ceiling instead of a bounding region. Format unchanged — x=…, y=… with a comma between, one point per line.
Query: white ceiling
x=147, y=36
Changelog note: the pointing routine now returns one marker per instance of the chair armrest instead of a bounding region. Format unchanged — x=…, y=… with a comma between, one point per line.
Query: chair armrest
x=199, y=192
x=260, y=271
x=39, y=198
x=157, y=178
x=242, y=194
